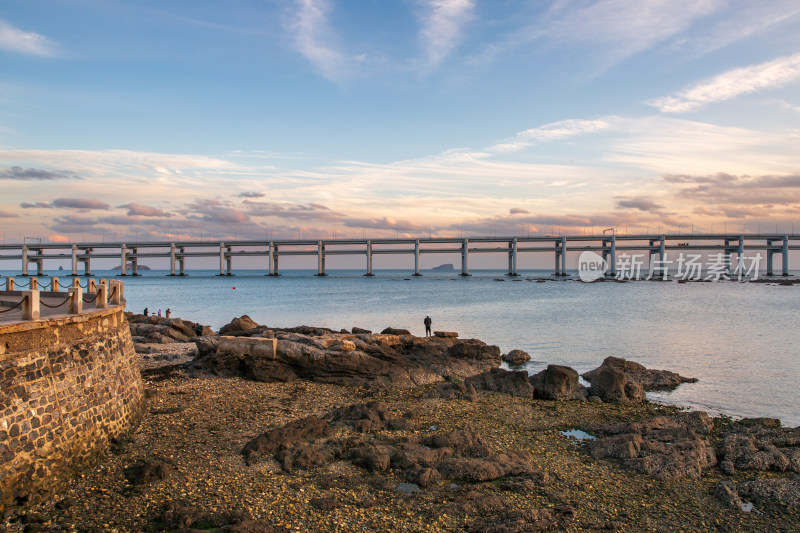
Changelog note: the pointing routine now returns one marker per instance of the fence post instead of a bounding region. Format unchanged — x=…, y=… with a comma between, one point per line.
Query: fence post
x=54, y=285
x=91, y=286
x=101, y=302
x=34, y=285
x=9, y=284
x=75, y=300
x=30, y=305
x=115, y=292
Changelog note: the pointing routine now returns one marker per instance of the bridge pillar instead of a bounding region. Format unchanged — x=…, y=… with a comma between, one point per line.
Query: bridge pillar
x=465, y=258
x=271, y=258
x=181, y=262
x=512, y=257
x=662, y=252
x=124, y=259
x=39, y=263
x=87, y=263
x=172, y=259
x=785, y=256
x=740, y=254
x=369, y=259
x=221, y=258
x=612, y=262
x=416, y=258
x=74, y=260
x=320, y=259
x=558, y=257
x=24, y=259
x=228, y=262
x=135, y=262
x=275, y=254
x=769, y=257
x=563, y=256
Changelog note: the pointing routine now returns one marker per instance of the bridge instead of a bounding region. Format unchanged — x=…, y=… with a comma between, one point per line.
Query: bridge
x=655, y=246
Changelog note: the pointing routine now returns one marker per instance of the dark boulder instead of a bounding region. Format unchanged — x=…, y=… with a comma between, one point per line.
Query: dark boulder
x=395, y=331
x=636, y=373
x=509, y=382
x=611, y=385
x=557, y=382
x=242, y=323
x=143, y=471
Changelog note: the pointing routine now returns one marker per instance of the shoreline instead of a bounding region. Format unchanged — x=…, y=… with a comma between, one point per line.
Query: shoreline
x=197, y=425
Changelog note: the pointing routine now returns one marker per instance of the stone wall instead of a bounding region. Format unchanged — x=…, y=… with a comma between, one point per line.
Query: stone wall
x=68, y=386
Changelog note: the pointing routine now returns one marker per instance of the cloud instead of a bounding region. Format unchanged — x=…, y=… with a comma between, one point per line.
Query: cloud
x=135, y=209
x=28, y=205
x=730, y=84
x=15, y=40
x=312, y=211
x=518, y=211
x=79, y=203
x=316, y=41
x=641, y=203
x=442, y=24
x=551, y=132
x=6, y=214
x=26, y=174
x=215, y=211
x=248, y=194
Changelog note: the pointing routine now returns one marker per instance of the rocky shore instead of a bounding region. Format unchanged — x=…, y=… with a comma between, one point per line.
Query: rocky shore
x=362, y=431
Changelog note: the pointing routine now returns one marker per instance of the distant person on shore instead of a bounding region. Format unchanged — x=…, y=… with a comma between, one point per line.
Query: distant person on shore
x=198, y=330
x=167, y=312
x=145, y=311
x=428, y=323
x=159, y=312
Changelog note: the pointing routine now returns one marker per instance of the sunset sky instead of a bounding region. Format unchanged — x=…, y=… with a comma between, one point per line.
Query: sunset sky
x=310, y=118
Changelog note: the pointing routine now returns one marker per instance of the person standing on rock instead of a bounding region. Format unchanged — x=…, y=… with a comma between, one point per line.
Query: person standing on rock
x=428, y=323
x=167, y=313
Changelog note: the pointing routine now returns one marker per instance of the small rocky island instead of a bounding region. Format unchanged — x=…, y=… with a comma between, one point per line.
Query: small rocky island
x=254, y=428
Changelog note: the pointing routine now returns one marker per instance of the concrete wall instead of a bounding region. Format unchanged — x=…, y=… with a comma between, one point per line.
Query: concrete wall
x=68, y=386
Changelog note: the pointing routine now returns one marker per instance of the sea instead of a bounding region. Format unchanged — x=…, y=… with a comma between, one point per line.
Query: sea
x=741, y=340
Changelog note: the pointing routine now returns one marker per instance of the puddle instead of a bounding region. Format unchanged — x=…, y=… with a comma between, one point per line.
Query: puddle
x=577, y=434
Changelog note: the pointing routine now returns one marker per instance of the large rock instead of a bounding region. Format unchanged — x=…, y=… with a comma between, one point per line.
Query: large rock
x=498, y=380
x=557, y=382
x=160, y=330
x=779, y=494
x=666, y=448
x=611, y=385
x=635, y=373
x=242, y=323
x=516, y=357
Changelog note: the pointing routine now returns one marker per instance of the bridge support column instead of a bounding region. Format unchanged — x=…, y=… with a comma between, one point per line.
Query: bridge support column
x=785, y=256
x=465, y=258
x=24, y=259
x=221, y=258
x=275, y=271
x=172, y=259
x=740, y=255
x=135, y=262
x=74, y=260
x=558, y=259
x=87, y=263
x=512, y=257
x=39, y=263
x=611, y=254
x=769, y=258
x=124, y=260
x=726, y=254
x=181, y=262
x=416, y=258
x=270, y=258
x=369, y=259
x=228, y=262
x=662, y=253
x=321, y=259
x=563, y=256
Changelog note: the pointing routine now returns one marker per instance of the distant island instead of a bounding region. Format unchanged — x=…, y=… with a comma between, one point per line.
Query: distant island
x=130, y=267
x=446, y=266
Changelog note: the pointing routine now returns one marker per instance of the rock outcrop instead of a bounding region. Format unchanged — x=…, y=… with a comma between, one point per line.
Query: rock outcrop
x=635, y=373
x=666, y=448
x=760, y=448
x=611, y=385
x=382, y=360
x=160, y=330
x=514, y=383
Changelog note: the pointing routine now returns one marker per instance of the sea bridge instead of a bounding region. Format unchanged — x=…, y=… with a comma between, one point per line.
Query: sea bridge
x=654, y=246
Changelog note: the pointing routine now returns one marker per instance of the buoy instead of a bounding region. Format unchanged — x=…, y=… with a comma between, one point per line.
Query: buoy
x=234, y=288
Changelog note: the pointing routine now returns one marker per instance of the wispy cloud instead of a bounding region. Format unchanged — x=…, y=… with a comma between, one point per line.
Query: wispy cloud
x=15, y=40
x=316, y=40
x=442, y=25
x=642, y=203
x=33, y=174
x=6, y=214
x=728, y=85
x=550, y=132
x=135, y=209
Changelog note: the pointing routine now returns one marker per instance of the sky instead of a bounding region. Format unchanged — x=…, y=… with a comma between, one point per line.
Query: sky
x=329, y=119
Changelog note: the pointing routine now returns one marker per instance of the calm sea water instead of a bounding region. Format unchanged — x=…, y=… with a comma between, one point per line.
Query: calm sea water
x=742, y=340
